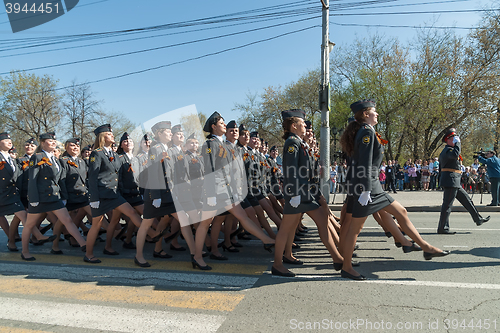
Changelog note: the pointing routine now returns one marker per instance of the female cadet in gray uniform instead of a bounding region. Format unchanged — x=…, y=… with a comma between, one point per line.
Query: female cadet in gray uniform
x=361, y=142
x=73, y=186
x=297, y=175
x=44, y=193
x=104, y=165
x=10, y=200
x=218, y=191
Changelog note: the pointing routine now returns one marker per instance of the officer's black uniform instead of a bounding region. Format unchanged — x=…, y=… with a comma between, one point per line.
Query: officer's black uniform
x=196, y=176
x=276, y=178
x=450, y=171
x=10, y=181
x=128, y=183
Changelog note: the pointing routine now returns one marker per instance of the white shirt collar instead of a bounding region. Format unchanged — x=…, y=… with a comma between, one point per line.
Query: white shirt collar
x=6, y=156
x=50, y=155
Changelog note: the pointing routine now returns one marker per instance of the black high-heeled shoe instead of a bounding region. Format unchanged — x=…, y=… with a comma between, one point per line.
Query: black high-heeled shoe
x=346, y=275
x=274, y=271
x=229, y=249
x=429, y=255
x=292, y=262
x=144, y=264
x=337, y=266
x=221, y=257
x=269, y=247
x=195, y=265
x=413, y=247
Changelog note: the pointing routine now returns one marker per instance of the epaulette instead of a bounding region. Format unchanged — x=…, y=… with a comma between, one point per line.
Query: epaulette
x=39, y=154
x=64, y=158
x=98, y=149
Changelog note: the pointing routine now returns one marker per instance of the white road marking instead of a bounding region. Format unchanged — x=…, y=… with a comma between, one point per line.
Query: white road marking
x=107, y=318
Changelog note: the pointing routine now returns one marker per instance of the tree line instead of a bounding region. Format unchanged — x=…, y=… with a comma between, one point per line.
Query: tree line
x=31, y=105
x=436, y=81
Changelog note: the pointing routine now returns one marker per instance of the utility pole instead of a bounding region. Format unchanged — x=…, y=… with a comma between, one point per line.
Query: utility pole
x=324, y=103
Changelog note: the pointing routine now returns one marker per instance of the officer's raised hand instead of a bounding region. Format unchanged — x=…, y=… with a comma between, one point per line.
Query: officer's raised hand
x=456, y=139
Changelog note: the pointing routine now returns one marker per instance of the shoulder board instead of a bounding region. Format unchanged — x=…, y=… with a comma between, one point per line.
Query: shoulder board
x=39, y=154
x=98, y=149
x=64, y=158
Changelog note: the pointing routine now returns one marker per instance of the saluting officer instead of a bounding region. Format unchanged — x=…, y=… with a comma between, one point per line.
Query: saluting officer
x=44, y=193
x=449, y=166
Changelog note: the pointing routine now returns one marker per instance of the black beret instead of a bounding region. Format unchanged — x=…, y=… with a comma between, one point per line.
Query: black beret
x=88, y=147
x=363, y=104
x=212, y=120
x=103, y=128
x=242, y=128
x=267, y=143
x=161, y=125
x=308, y=124
x=4, y=136
x=177, y=128
x=48, y=135
x=13, y=150
x=293, y=113
x=74, y=140
x=191, y=137
x=254, y=134
x=449, y=133
x=147, y=137
x=124, y=137
x=32, y=141
x=273, y=148
x=231, y=124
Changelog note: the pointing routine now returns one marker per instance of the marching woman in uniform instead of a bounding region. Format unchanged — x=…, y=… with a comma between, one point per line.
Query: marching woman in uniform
x=44, y=193
x=10, y=200
x=104, y=165
x=72, y=183
x=158, y=198
x=217, y=189
x=128, y=187
x=297, y=186
x=364, y=146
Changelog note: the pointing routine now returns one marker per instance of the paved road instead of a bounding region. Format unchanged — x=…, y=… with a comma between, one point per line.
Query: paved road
x=64, y=294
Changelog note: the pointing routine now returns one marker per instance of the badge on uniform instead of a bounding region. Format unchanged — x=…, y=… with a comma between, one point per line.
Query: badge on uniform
x=152, y=157
x=366, y=139
x=291, y=149
x=32, y=163
x=92, y=159
x=209, y=150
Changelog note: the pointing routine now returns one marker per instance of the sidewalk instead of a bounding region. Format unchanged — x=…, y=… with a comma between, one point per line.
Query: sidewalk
x=424, y=201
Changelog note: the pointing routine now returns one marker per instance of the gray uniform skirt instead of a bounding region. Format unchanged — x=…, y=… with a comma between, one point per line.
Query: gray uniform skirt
x=44, y=207
x=105, y=205
x=379, y=201
x=304, y=207
x=11, y=208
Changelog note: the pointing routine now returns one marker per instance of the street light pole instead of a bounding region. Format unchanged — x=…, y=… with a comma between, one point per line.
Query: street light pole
x=324, y=103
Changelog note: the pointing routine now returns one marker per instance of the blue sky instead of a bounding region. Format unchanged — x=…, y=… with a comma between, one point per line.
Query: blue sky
x=214, y=82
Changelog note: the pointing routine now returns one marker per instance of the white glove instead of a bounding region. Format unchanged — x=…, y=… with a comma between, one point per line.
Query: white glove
x=95, y=204
x=295, y=201
x=235, y=197
x=212, y=201
x=456, y=139
x=365, y=198
x=34, y=204
x=64, y=202
x=157, y=203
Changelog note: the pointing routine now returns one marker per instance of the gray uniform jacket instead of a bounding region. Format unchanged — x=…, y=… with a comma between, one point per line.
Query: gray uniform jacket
x=253, y=172
x=44, y=179
x=160, y=174
x=73, y=179
x=10, y=181
x=450, y=159
x=217, y=159
x=103, y=175
x=297, y=169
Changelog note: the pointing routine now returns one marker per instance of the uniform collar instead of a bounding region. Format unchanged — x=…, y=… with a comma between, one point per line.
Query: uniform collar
x=50, y=155
x=6, y=156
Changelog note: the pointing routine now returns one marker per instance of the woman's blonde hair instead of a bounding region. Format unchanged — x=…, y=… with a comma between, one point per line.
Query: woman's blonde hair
x=99, y=140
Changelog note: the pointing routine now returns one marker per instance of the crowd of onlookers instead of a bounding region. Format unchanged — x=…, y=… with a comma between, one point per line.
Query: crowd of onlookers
x=415, y=176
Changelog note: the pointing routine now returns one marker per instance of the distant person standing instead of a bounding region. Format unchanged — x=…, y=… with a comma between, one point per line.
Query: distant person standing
x=449, y=162
x=493, y=163
x=390, y=176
